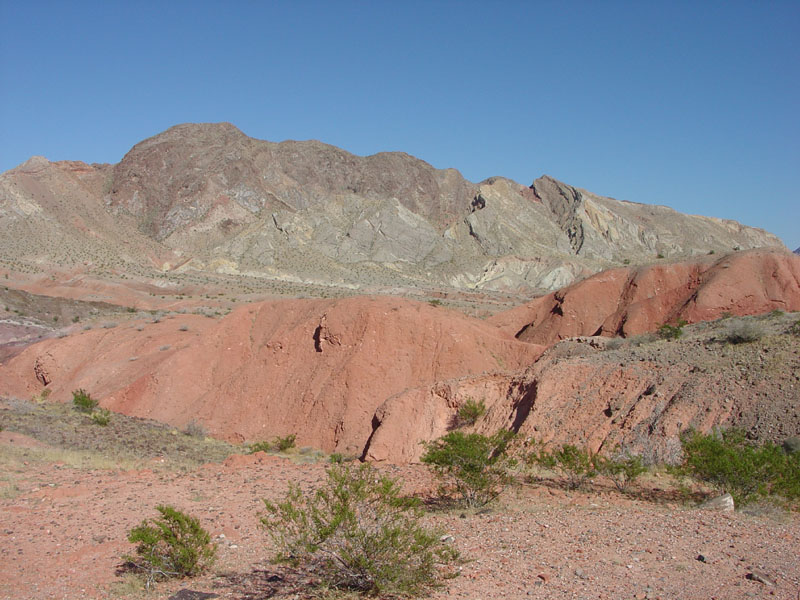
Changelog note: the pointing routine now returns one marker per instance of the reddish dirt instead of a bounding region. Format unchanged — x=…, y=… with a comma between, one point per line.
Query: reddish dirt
x=317, y=368
x=631, y=301
x=64, y=532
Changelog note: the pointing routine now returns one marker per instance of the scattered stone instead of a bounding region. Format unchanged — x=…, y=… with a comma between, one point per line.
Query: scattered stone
x=446, y=538
x=760, y=578
x=722, y=503
x=702, y=558
x=186, y=594
x=791, y=444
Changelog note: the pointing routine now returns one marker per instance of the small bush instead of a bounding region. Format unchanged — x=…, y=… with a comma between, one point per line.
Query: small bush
x=622, y=469
x=83, y=402
x=278, y=444
x=743, y=332
x=195, y=429
x=671, y=332
x=474, y=466
x=469, y=412
x=794, y=328
x=746, y=471
x=101, y=417
x=576, y=465
x=282, y=444
x=173, y=545
x=358, y=533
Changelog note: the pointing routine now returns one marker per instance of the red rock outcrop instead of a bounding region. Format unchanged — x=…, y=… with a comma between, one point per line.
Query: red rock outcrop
x=317, y=368
x=630, y=301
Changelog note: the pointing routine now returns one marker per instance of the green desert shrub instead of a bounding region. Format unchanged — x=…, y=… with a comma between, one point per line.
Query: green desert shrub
x=278, y=444
x=472, y=466
x=82, y=401
x=671, y=332
x=622, y=469
x=357, y=532
x=576, y=465
x=730, y=463
x=469, y=412
x=172, y=545
x=101, y=417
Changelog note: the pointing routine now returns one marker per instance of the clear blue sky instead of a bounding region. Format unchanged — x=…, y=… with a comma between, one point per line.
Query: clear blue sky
x=693, y=105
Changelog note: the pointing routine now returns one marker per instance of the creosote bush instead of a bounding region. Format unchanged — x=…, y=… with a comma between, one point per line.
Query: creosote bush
x=473, y=466
x=357, y=532
x=622, y=469
x=469, y=412
x=278, y=444
x=101, y=417
x=82, y=401
x=576, y=465
x=730, y=463
x=172, y=545
x=671, y=332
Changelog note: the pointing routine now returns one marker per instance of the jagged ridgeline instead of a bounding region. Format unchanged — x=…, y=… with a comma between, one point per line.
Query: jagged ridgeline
x=207, y=197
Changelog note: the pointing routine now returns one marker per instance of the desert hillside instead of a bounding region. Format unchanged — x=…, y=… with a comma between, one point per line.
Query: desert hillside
x=206, y=200
x=374, y=376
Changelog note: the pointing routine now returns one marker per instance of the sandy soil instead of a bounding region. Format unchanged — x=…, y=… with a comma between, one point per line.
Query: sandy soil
x=62, y=533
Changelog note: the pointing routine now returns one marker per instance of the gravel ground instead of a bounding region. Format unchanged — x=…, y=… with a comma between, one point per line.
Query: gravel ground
x=63, y=529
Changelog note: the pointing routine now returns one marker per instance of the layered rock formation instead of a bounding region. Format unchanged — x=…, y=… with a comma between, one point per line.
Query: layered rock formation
x=629, y=301
x=209, y=199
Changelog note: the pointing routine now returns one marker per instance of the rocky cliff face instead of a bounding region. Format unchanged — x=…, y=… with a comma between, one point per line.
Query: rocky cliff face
x=207, y=198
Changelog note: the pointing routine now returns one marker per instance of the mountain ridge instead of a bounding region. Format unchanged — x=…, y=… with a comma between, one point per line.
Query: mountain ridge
x=208, y=199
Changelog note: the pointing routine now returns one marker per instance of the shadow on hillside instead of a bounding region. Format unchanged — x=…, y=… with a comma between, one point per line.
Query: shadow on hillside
x=672, y=493
x=270, y=582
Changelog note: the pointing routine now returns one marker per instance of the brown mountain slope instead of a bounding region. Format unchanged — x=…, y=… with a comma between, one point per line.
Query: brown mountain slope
x=209, y=200
x=629, y=301
x=311, y=367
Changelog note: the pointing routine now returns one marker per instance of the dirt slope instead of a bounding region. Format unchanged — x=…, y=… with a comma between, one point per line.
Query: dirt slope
x=639, y=393
x=316, y=368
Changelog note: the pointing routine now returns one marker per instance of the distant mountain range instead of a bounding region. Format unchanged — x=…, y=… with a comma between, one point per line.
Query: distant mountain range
x=206, y=198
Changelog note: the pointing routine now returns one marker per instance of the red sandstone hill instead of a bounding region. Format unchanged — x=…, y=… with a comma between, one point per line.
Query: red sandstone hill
x=377, y=375
x=630, y=301
x=317, y=368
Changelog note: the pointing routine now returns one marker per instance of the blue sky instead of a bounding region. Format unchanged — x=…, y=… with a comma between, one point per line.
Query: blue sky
x=689, y=104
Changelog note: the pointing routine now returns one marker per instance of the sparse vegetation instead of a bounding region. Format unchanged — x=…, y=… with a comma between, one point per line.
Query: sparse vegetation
x=794, y=328
x=357, y=532
x=101, y=417
x=469, y=412
x=278, y=444
x=671, y=332
x=576, y=465
x=622, y=469
x=472, y=466
x=743, y=332
x=172, y=545
x=732, y=464
x=83, y=402
x=195, y=429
